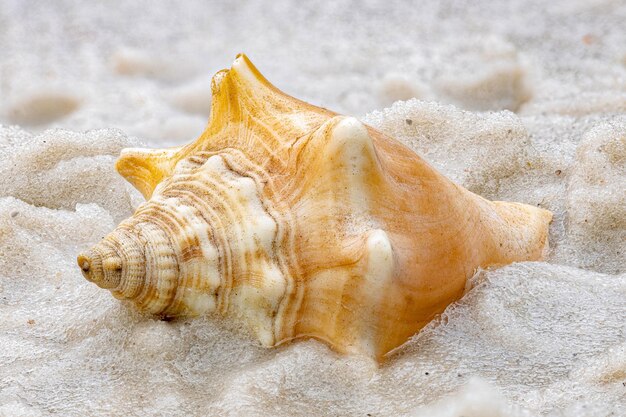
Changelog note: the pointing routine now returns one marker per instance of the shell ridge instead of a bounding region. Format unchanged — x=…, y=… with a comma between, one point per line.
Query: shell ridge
x=155, y=270
x=283, y=247
x=167, y=221
x=277, y=144
x=226, y=215
x=218, y=236
x=171, y=224
x=244, y=239
x=190, y=271
x=134, y=258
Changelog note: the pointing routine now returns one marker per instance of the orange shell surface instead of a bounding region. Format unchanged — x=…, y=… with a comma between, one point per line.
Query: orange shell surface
x=302, y=223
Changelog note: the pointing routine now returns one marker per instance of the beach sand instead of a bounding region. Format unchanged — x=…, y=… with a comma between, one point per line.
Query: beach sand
x=522, y=101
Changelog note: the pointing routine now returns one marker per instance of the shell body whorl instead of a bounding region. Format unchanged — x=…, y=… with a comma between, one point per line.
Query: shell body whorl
x=302, y=223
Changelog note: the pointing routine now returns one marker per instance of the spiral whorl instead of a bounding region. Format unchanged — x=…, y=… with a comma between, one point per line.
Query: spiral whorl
x=136, y=262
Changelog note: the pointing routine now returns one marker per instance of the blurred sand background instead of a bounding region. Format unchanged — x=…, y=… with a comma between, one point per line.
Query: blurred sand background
x=520, y=101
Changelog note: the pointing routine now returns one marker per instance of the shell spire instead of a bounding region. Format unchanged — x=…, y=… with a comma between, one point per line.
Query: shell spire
x=302, y=223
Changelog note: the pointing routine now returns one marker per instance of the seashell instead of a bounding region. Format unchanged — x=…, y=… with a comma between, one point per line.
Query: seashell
x=302, y=223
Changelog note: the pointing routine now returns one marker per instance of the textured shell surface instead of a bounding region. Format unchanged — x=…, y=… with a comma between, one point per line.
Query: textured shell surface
x=302, y=223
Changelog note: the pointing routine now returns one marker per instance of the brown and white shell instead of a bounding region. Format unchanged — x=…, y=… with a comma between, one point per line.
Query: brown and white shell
x=302, y=223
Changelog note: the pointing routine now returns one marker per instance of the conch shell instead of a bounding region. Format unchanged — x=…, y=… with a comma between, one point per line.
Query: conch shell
x=302, y=223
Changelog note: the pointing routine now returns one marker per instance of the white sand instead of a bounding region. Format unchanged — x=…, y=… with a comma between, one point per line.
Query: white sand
x=528, y=339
